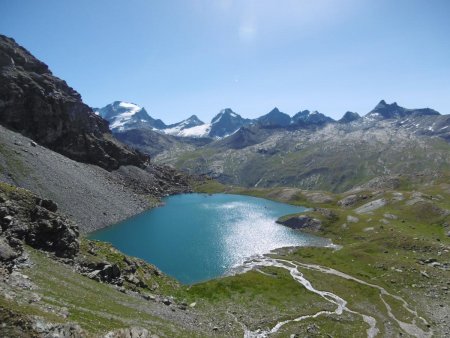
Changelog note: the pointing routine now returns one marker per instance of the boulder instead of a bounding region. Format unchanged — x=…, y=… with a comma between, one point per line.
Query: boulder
x=348, y=201
x=110, y=272
x=7, y=253
x=302, y=223
x=371, y=206
x=133, y=332
x=352, y=219
x=47, y=204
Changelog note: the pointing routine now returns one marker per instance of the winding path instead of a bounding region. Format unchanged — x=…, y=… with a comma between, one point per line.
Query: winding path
x=341, y=304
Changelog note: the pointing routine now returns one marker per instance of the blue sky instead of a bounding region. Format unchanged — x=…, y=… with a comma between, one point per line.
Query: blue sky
x=183, y=57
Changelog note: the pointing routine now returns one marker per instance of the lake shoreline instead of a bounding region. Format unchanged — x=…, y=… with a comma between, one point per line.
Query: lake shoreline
x=210, y=232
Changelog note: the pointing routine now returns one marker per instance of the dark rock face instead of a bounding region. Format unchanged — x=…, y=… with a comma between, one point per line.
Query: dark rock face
x=43, y=107
x=308, y=118
x=302, y=223
x=226, y=122
x=244, y=137
x=349, y=117
x=384, y=110
x=274, y=118
x=25, y=218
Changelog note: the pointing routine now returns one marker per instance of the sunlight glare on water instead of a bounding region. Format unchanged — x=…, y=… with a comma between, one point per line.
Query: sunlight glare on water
x=195, y=237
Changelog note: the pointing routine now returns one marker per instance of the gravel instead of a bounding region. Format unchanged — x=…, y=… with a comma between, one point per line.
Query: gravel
x=91, y=196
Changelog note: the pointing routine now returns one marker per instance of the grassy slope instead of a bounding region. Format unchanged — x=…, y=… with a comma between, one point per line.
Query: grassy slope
x=319, y=164
x=387, y=256
x=376, y=249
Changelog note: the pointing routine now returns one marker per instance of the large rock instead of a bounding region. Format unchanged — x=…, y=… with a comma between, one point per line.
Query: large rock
x=43, y=107
x=371, y=206
x=7, y=253
x=24, y=219
x=302, y=223
x=133, y=332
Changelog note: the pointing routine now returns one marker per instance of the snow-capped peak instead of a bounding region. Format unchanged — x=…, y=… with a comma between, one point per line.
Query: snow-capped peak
x=131, y=107
x=123, y=115
x=186, y=127
x=224, y=112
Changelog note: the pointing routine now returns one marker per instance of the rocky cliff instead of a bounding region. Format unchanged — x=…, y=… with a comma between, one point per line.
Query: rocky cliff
x=27, y=219
x=43, y=107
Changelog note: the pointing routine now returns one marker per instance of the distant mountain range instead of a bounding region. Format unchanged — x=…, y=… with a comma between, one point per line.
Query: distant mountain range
x=125, y=116
x=308, y=150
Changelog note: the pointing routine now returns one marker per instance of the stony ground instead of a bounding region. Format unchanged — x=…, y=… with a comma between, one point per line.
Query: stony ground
x=90, y=195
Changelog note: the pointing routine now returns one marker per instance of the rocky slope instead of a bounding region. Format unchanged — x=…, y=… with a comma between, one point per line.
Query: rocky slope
x=90, y=195
x=327, y=155
x=43, y=107
x=58, y=148
x=27, y=219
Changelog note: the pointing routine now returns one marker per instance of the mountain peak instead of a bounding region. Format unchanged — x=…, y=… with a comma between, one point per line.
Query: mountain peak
x=226, y=123
x=275, y=111
x=384, y=110
x=349, y=117
x=124, y=115
x=227, y=112
x=275, y=118
x=311, y=118
x=194, y=119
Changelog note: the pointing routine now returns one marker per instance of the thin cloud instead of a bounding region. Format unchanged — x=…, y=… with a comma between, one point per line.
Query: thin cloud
x=247, y=31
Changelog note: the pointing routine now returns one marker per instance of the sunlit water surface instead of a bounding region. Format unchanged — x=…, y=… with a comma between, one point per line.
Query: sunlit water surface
x=195, y=237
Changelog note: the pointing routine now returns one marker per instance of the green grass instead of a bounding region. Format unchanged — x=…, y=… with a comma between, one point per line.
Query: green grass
x=13, y=163
x=258, y=300
x=387, y=256
x=97, y=307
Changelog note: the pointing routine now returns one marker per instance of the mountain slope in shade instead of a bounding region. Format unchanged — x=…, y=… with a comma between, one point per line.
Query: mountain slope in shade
x=43, y=107
x=306, y=117
x=226, y=123
x=384, y=110
x=349, y=117
x=331, y=156
x=274, y=118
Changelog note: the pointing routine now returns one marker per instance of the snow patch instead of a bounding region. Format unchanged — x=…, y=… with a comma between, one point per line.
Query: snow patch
x=131, y=106
x=197, y=131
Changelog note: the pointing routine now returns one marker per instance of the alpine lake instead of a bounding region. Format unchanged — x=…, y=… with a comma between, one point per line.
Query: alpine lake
x=196, y=237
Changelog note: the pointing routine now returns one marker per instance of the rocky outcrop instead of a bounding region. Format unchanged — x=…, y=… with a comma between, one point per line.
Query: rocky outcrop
x=352, y=199
x=302, y=223
x=26, y=218
x=133, y=332
x=371, y=206
x=43, y=107
x=103, y=263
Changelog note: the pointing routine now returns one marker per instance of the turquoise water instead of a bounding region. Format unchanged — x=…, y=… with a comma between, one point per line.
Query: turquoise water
x=195, y=237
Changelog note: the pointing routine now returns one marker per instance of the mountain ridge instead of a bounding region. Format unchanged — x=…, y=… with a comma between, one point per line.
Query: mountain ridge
x=227, y=122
